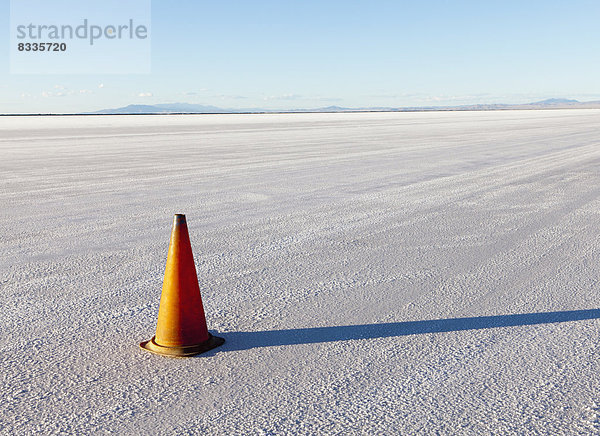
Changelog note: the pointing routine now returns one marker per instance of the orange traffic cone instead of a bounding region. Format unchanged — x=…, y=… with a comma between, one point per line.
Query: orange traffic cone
x=181, y=328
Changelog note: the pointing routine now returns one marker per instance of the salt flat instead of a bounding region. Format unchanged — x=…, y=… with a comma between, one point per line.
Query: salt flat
x=373, y=273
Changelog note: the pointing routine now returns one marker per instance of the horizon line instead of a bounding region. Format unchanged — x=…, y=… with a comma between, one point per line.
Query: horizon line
x=549, y=103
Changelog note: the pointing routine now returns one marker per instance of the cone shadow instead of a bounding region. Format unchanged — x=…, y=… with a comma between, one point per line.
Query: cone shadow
x=237, y=341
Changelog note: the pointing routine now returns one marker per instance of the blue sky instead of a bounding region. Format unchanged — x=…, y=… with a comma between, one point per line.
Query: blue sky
x=302, y=54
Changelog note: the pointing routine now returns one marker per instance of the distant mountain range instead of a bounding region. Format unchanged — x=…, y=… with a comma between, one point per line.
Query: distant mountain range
x=164, y=109
x=187, y=108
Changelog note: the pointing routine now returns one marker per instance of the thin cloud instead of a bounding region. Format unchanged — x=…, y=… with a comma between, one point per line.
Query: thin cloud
x=283, y=97
x=290, y=97
x=192, y=93
x=230, y=97
x=50, y=94
x=330, y=99
x=395, y=95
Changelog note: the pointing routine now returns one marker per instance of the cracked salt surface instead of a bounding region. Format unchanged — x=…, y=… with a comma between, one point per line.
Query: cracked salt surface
x=377, y=273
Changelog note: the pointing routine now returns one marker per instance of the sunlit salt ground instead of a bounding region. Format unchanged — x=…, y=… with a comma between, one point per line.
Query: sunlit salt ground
x=382, y=273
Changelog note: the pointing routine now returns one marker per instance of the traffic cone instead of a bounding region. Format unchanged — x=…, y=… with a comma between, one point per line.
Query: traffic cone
x=181, y=328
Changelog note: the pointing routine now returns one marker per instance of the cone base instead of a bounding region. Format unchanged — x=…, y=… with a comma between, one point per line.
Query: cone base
x=192, y=350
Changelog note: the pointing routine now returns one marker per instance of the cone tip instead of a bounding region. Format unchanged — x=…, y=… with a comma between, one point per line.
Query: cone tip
x=179, y=218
